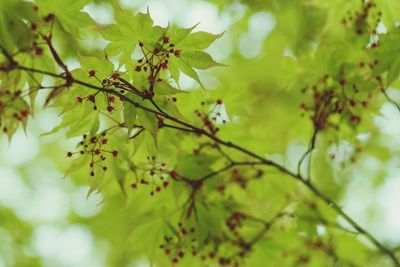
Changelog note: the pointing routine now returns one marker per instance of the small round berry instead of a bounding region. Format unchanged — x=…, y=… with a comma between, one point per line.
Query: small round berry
x=164, y=66
x=173, y=174
x=115, y=76
x=38, y=51
x=92, y=98
x=166, y=39
x=177, y=53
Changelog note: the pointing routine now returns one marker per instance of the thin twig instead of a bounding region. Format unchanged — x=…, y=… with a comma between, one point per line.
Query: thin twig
x=397, y=105
x=311, y=147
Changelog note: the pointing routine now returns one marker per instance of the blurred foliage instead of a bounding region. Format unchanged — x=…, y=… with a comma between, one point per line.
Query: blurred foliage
x=171, y=195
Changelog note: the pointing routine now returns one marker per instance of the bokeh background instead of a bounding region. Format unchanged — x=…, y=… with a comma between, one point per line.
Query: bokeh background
x=45, y=217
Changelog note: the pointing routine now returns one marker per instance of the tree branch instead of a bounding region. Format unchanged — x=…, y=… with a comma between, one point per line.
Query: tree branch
x=306, y=182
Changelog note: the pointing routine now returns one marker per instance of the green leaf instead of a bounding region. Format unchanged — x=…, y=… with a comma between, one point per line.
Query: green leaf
x=174, y=70
x=149, y=122
x=129, y=30
x=120, y=175
x=195, y=166
x=177, y=34
x=198, y=41
x=165, y=88
x=130, y=113
x=186, y=69
x=199, y=60
x=68, y=12
x=103, y=67
x=393, y=72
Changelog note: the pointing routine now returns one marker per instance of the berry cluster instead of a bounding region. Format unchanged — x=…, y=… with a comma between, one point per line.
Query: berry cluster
x=239, y=178
x=155, y=175
x=37, y=36
x=110, y=83
x=183, y=242
x=95, y=147
x=212, y=249
x=211, y=117
x=155, y=60
x=331, y=97
x=365, y=20
x=317, y=244
x=13, y=110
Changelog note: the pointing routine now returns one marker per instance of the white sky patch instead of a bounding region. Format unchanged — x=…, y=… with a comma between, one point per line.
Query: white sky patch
x=388, y=197
x=251, y=43
x=293, y=154
x=72, y=64
x=388, y=124
x=381, y=29
x=23, y=148
x=356, y=202
x=94, y=43
x=260, y=25
x=341, y=152
x=159, y=12
x=250, y=47
x=206, y=15
x=86, y=207
x=70, y=246
x=101, y=12
x=186, y=83
x=288, y=53
x=45, y=203
x=12, y=187
x=363, y=197
x=321, y=230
